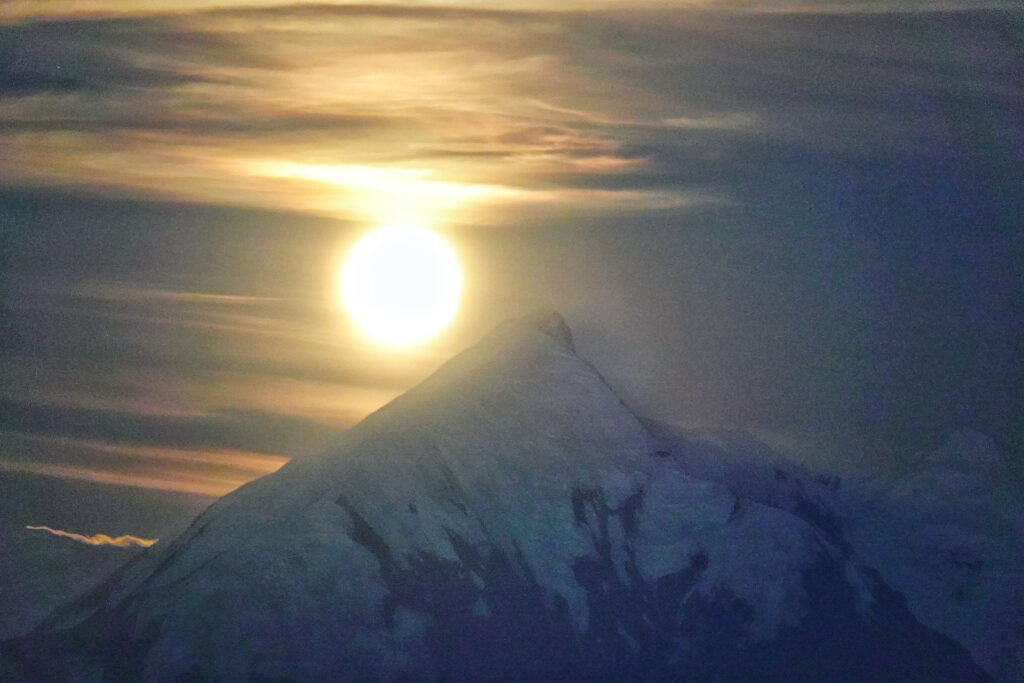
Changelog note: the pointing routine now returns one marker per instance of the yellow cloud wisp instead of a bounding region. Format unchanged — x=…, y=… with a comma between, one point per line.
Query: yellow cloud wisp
x=100, y=539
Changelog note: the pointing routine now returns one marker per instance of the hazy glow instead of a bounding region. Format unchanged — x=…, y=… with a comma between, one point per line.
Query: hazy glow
x=393, y=195
x=401, y=285
x=395, y=181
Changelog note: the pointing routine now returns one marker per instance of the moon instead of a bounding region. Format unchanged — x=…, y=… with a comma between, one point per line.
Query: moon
x=401, y=285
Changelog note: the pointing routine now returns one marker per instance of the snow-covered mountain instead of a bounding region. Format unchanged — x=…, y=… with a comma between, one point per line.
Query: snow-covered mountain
x=510, y=519
x=947, y=531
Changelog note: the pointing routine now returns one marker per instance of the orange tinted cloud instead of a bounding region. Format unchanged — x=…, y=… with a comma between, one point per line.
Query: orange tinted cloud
x=182, y=478
x=100, y=539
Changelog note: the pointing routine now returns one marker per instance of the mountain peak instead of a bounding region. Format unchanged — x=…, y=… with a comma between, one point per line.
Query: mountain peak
x=550, y=323
x=507, y=519
x=517, y=352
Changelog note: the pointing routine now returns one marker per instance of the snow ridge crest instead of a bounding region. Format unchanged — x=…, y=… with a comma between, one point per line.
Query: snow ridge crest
x=553, y=325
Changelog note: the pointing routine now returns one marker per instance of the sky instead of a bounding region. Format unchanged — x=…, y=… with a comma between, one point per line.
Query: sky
x=801, y=219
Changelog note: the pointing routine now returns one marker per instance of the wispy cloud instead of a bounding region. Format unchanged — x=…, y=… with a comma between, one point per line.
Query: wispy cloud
x=15, y=9
x=125, y=459
x=125, y=541
x=449, y=113
x=395, y=195
x=179, y=479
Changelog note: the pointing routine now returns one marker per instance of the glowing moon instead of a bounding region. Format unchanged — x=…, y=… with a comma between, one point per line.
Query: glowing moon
x=401, y=285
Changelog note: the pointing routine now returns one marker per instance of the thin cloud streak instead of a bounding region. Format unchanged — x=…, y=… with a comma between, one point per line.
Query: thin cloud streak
x=125, y=541
x=291, y=353
x=394, y=195
x=211, y=486
x=134, y=293
x=257, y=464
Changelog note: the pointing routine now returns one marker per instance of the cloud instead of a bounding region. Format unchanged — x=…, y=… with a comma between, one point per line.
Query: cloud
x=124, y=460
x=205, y=125
x=226, y=429
x=180, y=479
x=492, y=105
x=484, y=102
x=21, y=9
x=69, y=56
x=100, y=539
x=725, y=121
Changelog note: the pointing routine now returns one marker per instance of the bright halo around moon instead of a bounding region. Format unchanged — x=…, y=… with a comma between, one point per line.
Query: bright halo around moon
x=401, y=285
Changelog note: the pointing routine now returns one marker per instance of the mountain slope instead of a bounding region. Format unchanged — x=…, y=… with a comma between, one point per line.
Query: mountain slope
x=509, y=518
x=39, y=572
x=948, y=532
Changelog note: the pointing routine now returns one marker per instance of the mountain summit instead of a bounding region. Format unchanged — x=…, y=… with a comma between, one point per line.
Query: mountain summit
x=507, y=519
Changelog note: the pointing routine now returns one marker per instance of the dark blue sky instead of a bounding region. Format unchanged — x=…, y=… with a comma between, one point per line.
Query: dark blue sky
x=806, y=224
